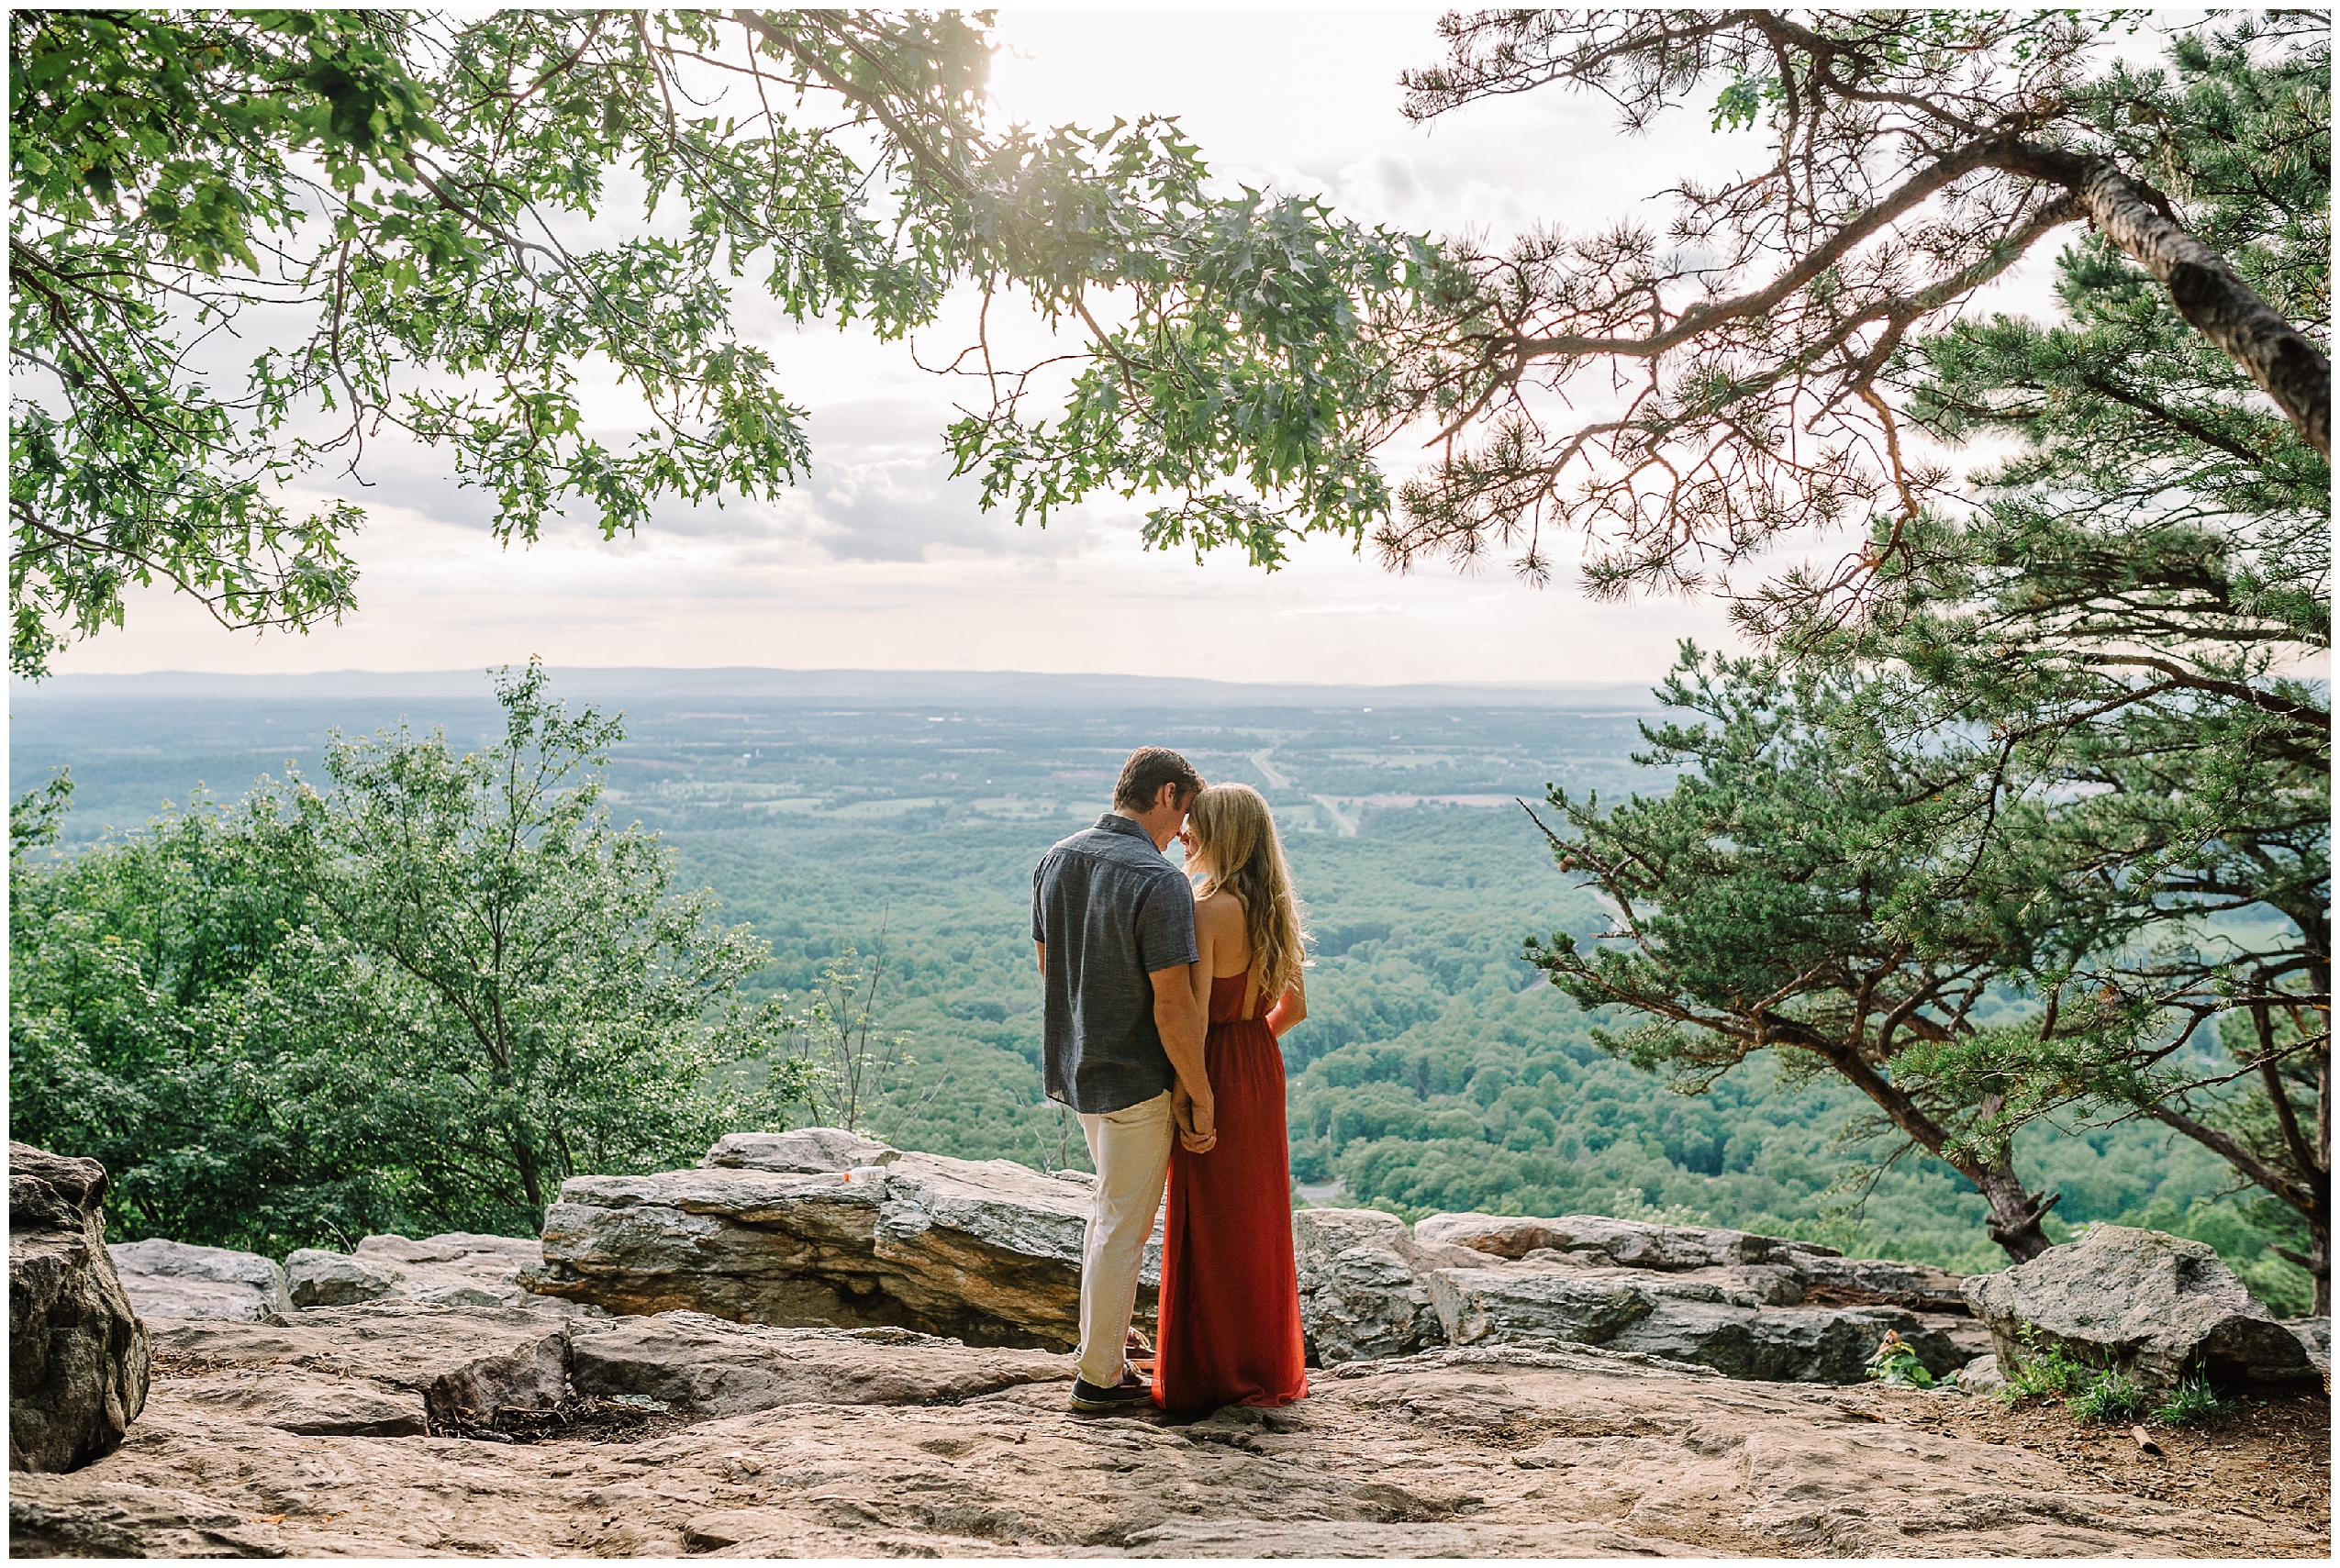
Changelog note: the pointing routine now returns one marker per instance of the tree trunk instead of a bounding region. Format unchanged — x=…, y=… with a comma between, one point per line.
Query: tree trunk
x=2205, y=288
x=2016, y=1214
x=531, y=1176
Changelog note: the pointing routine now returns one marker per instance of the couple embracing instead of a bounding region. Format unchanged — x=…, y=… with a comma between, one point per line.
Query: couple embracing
x=1164, y=1003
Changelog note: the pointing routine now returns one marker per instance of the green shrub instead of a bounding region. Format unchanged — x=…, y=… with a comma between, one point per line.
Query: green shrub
x=2048, y=1368
x=2193, y=1400
x=2112, y=1396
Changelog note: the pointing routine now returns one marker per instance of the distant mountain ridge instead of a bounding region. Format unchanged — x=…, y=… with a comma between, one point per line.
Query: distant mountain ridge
x=802, y=688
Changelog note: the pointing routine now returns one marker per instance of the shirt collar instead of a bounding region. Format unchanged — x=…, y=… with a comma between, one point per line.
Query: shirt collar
x=1114, y=822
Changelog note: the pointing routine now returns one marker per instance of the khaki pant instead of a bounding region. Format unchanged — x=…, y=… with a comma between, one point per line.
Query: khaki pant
x=1131, y=1149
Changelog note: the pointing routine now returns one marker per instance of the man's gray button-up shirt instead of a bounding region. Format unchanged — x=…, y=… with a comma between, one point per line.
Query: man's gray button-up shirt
x=1112, y=910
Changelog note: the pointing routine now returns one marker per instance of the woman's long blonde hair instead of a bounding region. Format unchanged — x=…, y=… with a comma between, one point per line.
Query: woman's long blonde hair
x=1236, y=851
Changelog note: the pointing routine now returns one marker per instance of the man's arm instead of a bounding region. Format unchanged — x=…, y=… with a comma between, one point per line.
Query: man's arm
x=1042, y=948
x=1183, y=1024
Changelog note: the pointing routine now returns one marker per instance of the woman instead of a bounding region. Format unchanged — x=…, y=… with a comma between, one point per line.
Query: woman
x=1230, y=1304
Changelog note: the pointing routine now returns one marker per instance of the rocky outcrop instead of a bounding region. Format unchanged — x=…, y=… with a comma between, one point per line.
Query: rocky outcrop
x=2155, y=1305
x=77, y=1354
x=932, y=1449
x=1682, y=1317
x=1749, y=1305
x=459, y=1269
x=1777, y=1272
x=173, y=1279
x=1364, y=1289
x=987, y=1252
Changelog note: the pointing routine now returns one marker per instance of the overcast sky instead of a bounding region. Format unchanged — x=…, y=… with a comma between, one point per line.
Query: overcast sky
x=879, y=562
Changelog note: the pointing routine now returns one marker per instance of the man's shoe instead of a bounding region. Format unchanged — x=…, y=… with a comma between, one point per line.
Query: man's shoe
x=1088, y=1399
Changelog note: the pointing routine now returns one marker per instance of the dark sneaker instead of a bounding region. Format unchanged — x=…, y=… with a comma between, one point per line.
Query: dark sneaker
x=1088, y=1399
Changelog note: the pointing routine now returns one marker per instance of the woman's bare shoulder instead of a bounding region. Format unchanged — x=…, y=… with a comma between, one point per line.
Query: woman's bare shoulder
x=1221, y=908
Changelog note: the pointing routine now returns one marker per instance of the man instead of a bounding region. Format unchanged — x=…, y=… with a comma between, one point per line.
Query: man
x=1114, y=922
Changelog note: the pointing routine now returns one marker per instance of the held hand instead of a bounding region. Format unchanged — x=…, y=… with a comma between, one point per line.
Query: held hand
x=1197, y=1133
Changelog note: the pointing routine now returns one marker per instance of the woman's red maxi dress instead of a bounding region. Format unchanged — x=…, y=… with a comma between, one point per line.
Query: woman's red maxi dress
x=1230, y=1302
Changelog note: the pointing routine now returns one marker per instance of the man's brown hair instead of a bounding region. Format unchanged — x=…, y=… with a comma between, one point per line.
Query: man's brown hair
x=1148, y=769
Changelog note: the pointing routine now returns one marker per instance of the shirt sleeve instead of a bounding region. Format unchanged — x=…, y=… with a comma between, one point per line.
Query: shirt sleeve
x=1038, y=876
x=1166, y=925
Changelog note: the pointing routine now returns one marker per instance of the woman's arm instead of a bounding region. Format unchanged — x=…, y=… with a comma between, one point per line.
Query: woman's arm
x=1290, y=1011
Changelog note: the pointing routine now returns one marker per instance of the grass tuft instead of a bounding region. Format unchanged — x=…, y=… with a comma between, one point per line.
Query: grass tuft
x=2112, y=1396
x=2193, y=1400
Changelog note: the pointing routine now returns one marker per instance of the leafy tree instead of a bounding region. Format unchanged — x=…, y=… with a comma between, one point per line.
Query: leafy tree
x=168, y=1018
x=535, y=1003
x=421, y=999
x=394, y=202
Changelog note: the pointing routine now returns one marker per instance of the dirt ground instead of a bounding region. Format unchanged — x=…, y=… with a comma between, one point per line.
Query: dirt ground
x=2267, y=1458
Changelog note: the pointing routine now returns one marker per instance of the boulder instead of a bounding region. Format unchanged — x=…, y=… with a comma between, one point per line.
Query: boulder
x=77, y=1354
x=2155, y=1305
x=530, y=1377
x=458, y=1269
x=171, y=1279
x=987, y=1252
x=807, y=1151
x=1705, y=1319
x=1981, y=1375
x=401, y=1345
x=1597, y=1240
x=318, y=1278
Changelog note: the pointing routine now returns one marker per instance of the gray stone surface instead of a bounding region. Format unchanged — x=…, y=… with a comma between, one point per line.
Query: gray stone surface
x=1511, y=1452
x=318, y=1278
x=1779, y=1272
x=309, y=1403
x=1704, y=1318
x=529, y=1377
x=707, y=1366
x=2315, y=1335
x=984, y=1251
x=1981, y=1375
x=2158, y=1306
x=808, y=1150
x=77, y=1354
x=171, y=1279
x=457, y=1269
x=1363, y=1290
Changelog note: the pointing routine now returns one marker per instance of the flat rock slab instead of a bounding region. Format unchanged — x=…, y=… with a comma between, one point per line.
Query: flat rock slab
x=985, y=1251
x=401, y=1345
x=175, y=1279
x=706, y=1365
x=1502, y=1451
